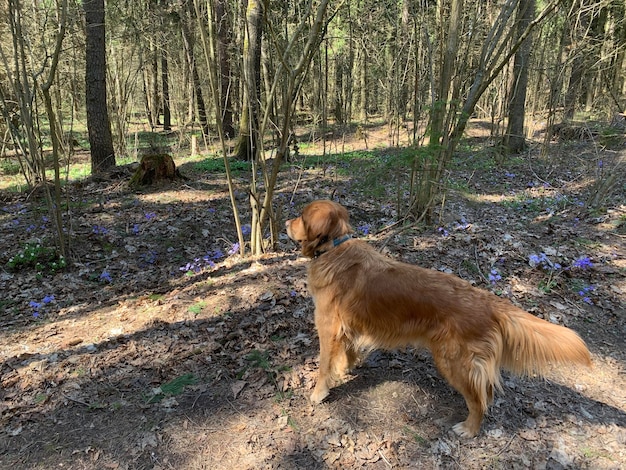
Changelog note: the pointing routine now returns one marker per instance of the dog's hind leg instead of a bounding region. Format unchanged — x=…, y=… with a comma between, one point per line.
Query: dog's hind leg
x=473, y=380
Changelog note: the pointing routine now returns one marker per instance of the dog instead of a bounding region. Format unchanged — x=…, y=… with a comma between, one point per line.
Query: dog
x=365, y=300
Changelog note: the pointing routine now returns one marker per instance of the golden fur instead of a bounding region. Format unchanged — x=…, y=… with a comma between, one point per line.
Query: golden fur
x=365, y=300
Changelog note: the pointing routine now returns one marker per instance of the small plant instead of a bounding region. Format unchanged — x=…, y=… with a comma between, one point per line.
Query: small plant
x=259, y=359
x=234, y=249
x=469, y=266
x=116, y=406
x=10, y=167
x=547, y=285
x=553, y=269
x=207, y=261
x=196, y=309
x=42, y=258
x=416, y=436
x=585, y=291
x=171, y=389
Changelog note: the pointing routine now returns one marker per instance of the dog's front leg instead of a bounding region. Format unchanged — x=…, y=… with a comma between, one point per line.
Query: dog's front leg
x=332, y=352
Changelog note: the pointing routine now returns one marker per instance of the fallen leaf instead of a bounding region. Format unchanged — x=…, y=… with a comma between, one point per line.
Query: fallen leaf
x=237, y=386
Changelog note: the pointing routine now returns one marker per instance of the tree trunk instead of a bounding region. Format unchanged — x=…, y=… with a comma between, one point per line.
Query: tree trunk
x=338, y=99
x=515, y=140
x=578, y=26
x=188, y=40
x=571, y=96
x=98, y=124
x=362, y=74
x=224, y=38
x=167, y=113
x=249, y=124
x=154, y=88
x=440, y=105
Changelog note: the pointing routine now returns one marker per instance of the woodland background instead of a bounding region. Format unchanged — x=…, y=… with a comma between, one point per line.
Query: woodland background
x=239, y=74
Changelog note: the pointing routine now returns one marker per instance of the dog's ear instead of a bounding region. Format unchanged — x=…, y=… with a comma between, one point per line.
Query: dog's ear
x=323, y=222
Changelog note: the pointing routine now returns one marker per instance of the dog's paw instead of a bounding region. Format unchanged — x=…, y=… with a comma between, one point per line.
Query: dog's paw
x=319, y=394
x=462, y=430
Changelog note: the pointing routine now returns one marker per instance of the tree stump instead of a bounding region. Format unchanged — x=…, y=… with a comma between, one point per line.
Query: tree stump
x=154, y=168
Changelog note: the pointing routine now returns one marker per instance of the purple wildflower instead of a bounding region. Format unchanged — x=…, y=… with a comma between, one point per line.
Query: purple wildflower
x=364, y=229
x=98, y=230
x=494, y=276
x=583, y=262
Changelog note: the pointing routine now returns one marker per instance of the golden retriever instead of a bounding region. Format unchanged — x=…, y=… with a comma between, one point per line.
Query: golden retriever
x=365, y=300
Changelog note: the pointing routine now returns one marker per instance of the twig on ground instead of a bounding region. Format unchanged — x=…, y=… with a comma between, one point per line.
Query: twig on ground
x=77, y=401
x=506, y=445
x=380, y=452
x=478, y=265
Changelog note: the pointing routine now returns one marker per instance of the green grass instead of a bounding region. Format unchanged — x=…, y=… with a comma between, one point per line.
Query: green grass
x=10, y=167
x=196, y=309
x=422, y=441
x=536, y=204
x=215, y=164
x=587, y=243
x=260, y=359
x=372, y=172
x=547, y=285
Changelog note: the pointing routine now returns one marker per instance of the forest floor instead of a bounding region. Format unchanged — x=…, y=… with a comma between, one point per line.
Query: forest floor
x=157, y=349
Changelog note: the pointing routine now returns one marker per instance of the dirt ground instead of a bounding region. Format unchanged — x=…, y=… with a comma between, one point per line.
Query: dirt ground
x=157, y=349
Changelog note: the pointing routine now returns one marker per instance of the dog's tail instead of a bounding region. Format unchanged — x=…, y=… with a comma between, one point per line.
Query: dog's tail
x=531, y=345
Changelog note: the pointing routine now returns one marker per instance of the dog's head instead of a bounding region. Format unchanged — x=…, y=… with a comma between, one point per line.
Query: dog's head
x=320, y=223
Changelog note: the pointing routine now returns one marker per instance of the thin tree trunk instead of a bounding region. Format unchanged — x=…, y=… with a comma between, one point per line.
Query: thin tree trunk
x=155, y=100
x=578, y=26
x=188, y=40
x=167, y=113
x=362, y=74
